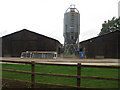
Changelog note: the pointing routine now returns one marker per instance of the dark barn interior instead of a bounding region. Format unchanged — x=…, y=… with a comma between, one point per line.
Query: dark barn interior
x=25, y=40
x=104, y=46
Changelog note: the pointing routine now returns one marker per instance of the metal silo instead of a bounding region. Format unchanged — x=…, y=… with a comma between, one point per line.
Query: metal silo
x=71, y=29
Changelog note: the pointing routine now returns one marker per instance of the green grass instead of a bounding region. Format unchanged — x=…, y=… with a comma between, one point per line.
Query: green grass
x=112, y=73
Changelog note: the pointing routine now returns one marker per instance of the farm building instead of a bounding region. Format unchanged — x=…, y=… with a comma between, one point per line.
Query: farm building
x=104, y=46
x=16, y=43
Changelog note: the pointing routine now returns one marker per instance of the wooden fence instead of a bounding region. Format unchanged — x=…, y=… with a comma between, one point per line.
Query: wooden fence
x=78, y=76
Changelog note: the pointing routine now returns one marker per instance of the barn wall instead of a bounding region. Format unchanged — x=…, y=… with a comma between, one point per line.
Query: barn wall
x=25, y=40
x=102, y=46
x=0, y=47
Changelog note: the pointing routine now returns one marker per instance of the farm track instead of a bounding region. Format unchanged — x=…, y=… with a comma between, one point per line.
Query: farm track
x=69, y=61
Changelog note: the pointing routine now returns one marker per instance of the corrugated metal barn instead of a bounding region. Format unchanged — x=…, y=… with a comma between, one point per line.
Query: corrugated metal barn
x=25, y=40
x=104, y=46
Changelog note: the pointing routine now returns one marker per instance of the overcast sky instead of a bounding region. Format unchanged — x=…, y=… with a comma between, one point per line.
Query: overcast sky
x=46, y=16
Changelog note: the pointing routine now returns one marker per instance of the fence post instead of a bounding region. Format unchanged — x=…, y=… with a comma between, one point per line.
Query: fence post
x=78, y=73
x=32, y=75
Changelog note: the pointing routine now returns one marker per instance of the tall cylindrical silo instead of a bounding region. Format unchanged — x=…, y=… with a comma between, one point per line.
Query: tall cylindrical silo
x=71, y=29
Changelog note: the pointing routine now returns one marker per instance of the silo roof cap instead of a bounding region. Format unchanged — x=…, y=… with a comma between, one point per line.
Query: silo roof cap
x=72, y=9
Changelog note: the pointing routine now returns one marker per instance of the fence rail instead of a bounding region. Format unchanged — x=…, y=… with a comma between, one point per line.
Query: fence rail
x=78, y=76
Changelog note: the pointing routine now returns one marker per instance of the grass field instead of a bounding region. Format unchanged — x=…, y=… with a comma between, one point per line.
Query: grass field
x=112, y=73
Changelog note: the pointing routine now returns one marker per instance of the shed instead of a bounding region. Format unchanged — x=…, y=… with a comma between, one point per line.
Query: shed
x=104, y=46
x=25, y=40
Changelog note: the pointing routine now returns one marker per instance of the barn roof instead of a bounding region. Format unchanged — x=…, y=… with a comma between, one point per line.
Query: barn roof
x=117, y=31
x=23, y=30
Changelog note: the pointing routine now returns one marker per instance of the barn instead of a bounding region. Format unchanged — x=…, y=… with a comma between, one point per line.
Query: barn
x=104, y=46
x=26, y=40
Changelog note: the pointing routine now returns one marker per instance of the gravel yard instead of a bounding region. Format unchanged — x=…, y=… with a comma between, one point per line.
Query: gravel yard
x=69, y=61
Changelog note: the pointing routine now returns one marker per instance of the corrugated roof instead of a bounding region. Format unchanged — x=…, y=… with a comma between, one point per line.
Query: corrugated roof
x=31, y=32
x=100, y=36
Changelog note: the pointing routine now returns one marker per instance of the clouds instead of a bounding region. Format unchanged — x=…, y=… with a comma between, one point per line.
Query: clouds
x=46, y=16
x=119, y=9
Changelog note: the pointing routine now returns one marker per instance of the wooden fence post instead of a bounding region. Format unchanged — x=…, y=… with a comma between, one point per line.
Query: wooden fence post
x=78, y=73
x=32, y=75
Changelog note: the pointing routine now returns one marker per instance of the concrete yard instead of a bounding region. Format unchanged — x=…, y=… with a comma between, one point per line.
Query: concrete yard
x=69, y=61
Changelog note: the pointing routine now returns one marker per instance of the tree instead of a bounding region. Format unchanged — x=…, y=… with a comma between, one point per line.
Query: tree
x=110, y=26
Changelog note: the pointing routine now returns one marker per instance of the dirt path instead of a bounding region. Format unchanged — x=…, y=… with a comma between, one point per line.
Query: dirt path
x=69, y=61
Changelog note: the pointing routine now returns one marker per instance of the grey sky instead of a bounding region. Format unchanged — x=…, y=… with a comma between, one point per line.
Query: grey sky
x=119, y=9
x=46, y=16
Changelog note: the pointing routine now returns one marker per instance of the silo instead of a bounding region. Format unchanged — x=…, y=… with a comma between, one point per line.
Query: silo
x=71, y=29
